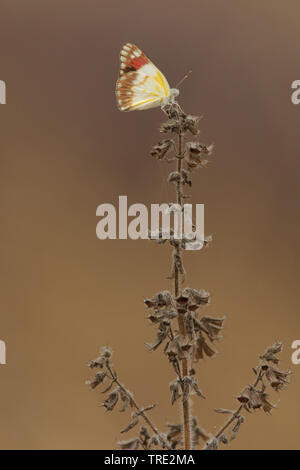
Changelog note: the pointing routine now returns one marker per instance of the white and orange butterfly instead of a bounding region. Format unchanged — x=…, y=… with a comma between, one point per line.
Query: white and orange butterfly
x=141, y=85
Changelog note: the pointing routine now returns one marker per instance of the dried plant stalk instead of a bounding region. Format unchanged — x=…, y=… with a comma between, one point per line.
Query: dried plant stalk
x=187, y=335
x=185, y=366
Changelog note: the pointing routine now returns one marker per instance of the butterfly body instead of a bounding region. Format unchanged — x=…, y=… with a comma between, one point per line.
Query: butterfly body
x=141, y=85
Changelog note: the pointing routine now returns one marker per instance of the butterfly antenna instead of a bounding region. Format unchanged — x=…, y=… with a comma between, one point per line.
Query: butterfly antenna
x=184, y=78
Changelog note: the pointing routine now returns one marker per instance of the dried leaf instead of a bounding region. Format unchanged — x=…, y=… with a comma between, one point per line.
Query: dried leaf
x=236, y=427
x=224, y=410
x=130, y=425
x=111, y=401
x=132, y=444
x=175, y=391
x=194, y=385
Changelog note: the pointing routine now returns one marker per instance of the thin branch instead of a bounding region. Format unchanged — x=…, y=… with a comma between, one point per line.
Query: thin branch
x=238, y=411
x=185, y=368
x=137, y=407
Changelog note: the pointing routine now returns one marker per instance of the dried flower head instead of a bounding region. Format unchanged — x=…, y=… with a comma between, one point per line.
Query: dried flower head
x=199, y=297
x=196, y=154
x=102, y=360
x=190, y=123
x=162, y=299
x=172, y=125
x=212, y=444
x=202, y=348
x=98, y=379
x=270, y=353
x=213, y=327
x=278, y=379
x=111, y=400
x=160, y=150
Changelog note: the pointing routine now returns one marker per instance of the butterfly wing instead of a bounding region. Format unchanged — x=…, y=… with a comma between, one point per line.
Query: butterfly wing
x=140, y=85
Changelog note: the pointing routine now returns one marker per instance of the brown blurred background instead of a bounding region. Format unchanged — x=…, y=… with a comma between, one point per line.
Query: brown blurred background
x=65, y=149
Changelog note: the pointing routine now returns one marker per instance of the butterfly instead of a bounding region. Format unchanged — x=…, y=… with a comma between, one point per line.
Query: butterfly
x=141, y=85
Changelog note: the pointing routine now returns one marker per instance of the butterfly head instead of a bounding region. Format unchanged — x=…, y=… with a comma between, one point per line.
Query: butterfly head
x=174, y=92
x=171, y=98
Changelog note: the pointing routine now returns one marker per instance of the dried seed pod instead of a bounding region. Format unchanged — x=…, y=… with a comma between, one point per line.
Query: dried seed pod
x=199, y=297
x=98, y=379
x=155, y=440
x=185, y=178
x=196, y=154
x=251, y=398
x=212, y=444
x=161, y=336
x=201, y=348
x=106, y=352
x=99, y=362
x=270, y=353
x=160, y=150
x=172, y=125
x=181, y=304
x=174, y=436
x=175, y=391
x=102, y=360
x=174, y=177
x=213, y=327
x=182, y=300
x=190, y=123
x=178, y=347
x=111, y=401
x=151, y=303
x=193, y=307
x=223, y=439
x=267, y=406
x=278, y=379
x=162, y=299
x=236, y=428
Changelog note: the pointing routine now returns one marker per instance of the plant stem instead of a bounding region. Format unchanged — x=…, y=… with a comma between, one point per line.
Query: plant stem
x=136, y=406
x=228, y=423
x=237, y=412
x=185, y=369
